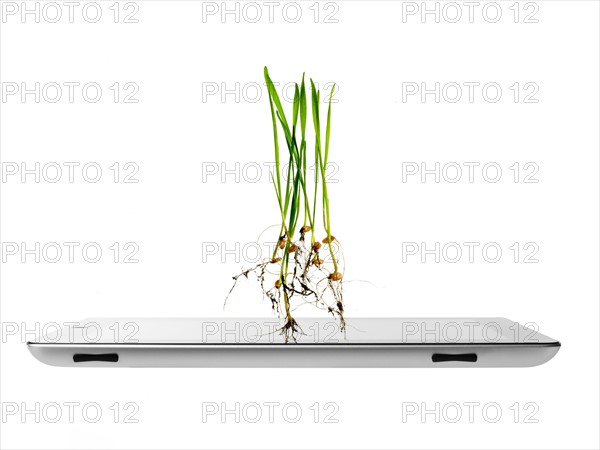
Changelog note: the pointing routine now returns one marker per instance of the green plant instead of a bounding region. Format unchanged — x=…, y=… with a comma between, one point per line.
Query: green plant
x=302, y=273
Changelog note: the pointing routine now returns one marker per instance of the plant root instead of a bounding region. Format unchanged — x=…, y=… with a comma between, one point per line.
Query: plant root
x=311, y=278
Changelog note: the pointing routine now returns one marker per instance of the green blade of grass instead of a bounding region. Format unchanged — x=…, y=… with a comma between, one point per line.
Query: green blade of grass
x=277, y=102
x=303, y=158
x=328, y=128
x=315, y=111
x=288, y=189
x=294, y=156
x=277, y=194
x=303, y=108
x=295, y=205
x=296, y=105
x=317, y=126
x=277, y=158
x=326, y=215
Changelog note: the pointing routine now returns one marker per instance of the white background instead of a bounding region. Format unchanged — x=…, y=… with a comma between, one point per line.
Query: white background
x=172, y=55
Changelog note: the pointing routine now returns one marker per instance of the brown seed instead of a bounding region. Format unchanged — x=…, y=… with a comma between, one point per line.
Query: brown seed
x=335, y=276
x=281, y=243
x=275, y=260
x=316, y=246
x=292, y=248
x=318, y=262
x=278, y=283
x=328, y=239
x=305, y=229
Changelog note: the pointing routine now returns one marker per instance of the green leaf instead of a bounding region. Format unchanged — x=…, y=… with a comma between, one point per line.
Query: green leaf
x=315, y=108
x=286, y=131
x=328, y=128
x=278, y=196
x=275, y=97
x=276, y=141
x=303, y=107
x=296, y=104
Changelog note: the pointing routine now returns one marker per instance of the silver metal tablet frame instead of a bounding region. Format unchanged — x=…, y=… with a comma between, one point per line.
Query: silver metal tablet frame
x=156, y=351
x=296, y=355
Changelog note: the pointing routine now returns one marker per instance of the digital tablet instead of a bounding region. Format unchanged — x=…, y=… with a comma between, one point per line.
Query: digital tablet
x=322, y=342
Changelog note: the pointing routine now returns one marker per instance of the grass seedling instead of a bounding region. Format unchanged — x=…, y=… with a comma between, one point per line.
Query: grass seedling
x=306, y=272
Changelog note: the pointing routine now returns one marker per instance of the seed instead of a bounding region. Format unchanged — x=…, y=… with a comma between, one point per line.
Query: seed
x=281, y=243
x=316, y=246
x=328, y=239
x=335, y=276
x=305, y=229
x=292, y=248
x=275, y=260
x=318, y=262
x=278, y=283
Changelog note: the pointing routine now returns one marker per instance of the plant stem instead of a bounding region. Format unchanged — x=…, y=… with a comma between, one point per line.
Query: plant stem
x=324, y=176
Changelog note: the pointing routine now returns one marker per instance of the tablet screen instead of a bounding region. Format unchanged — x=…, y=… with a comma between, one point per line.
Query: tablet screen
x=309, y=331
